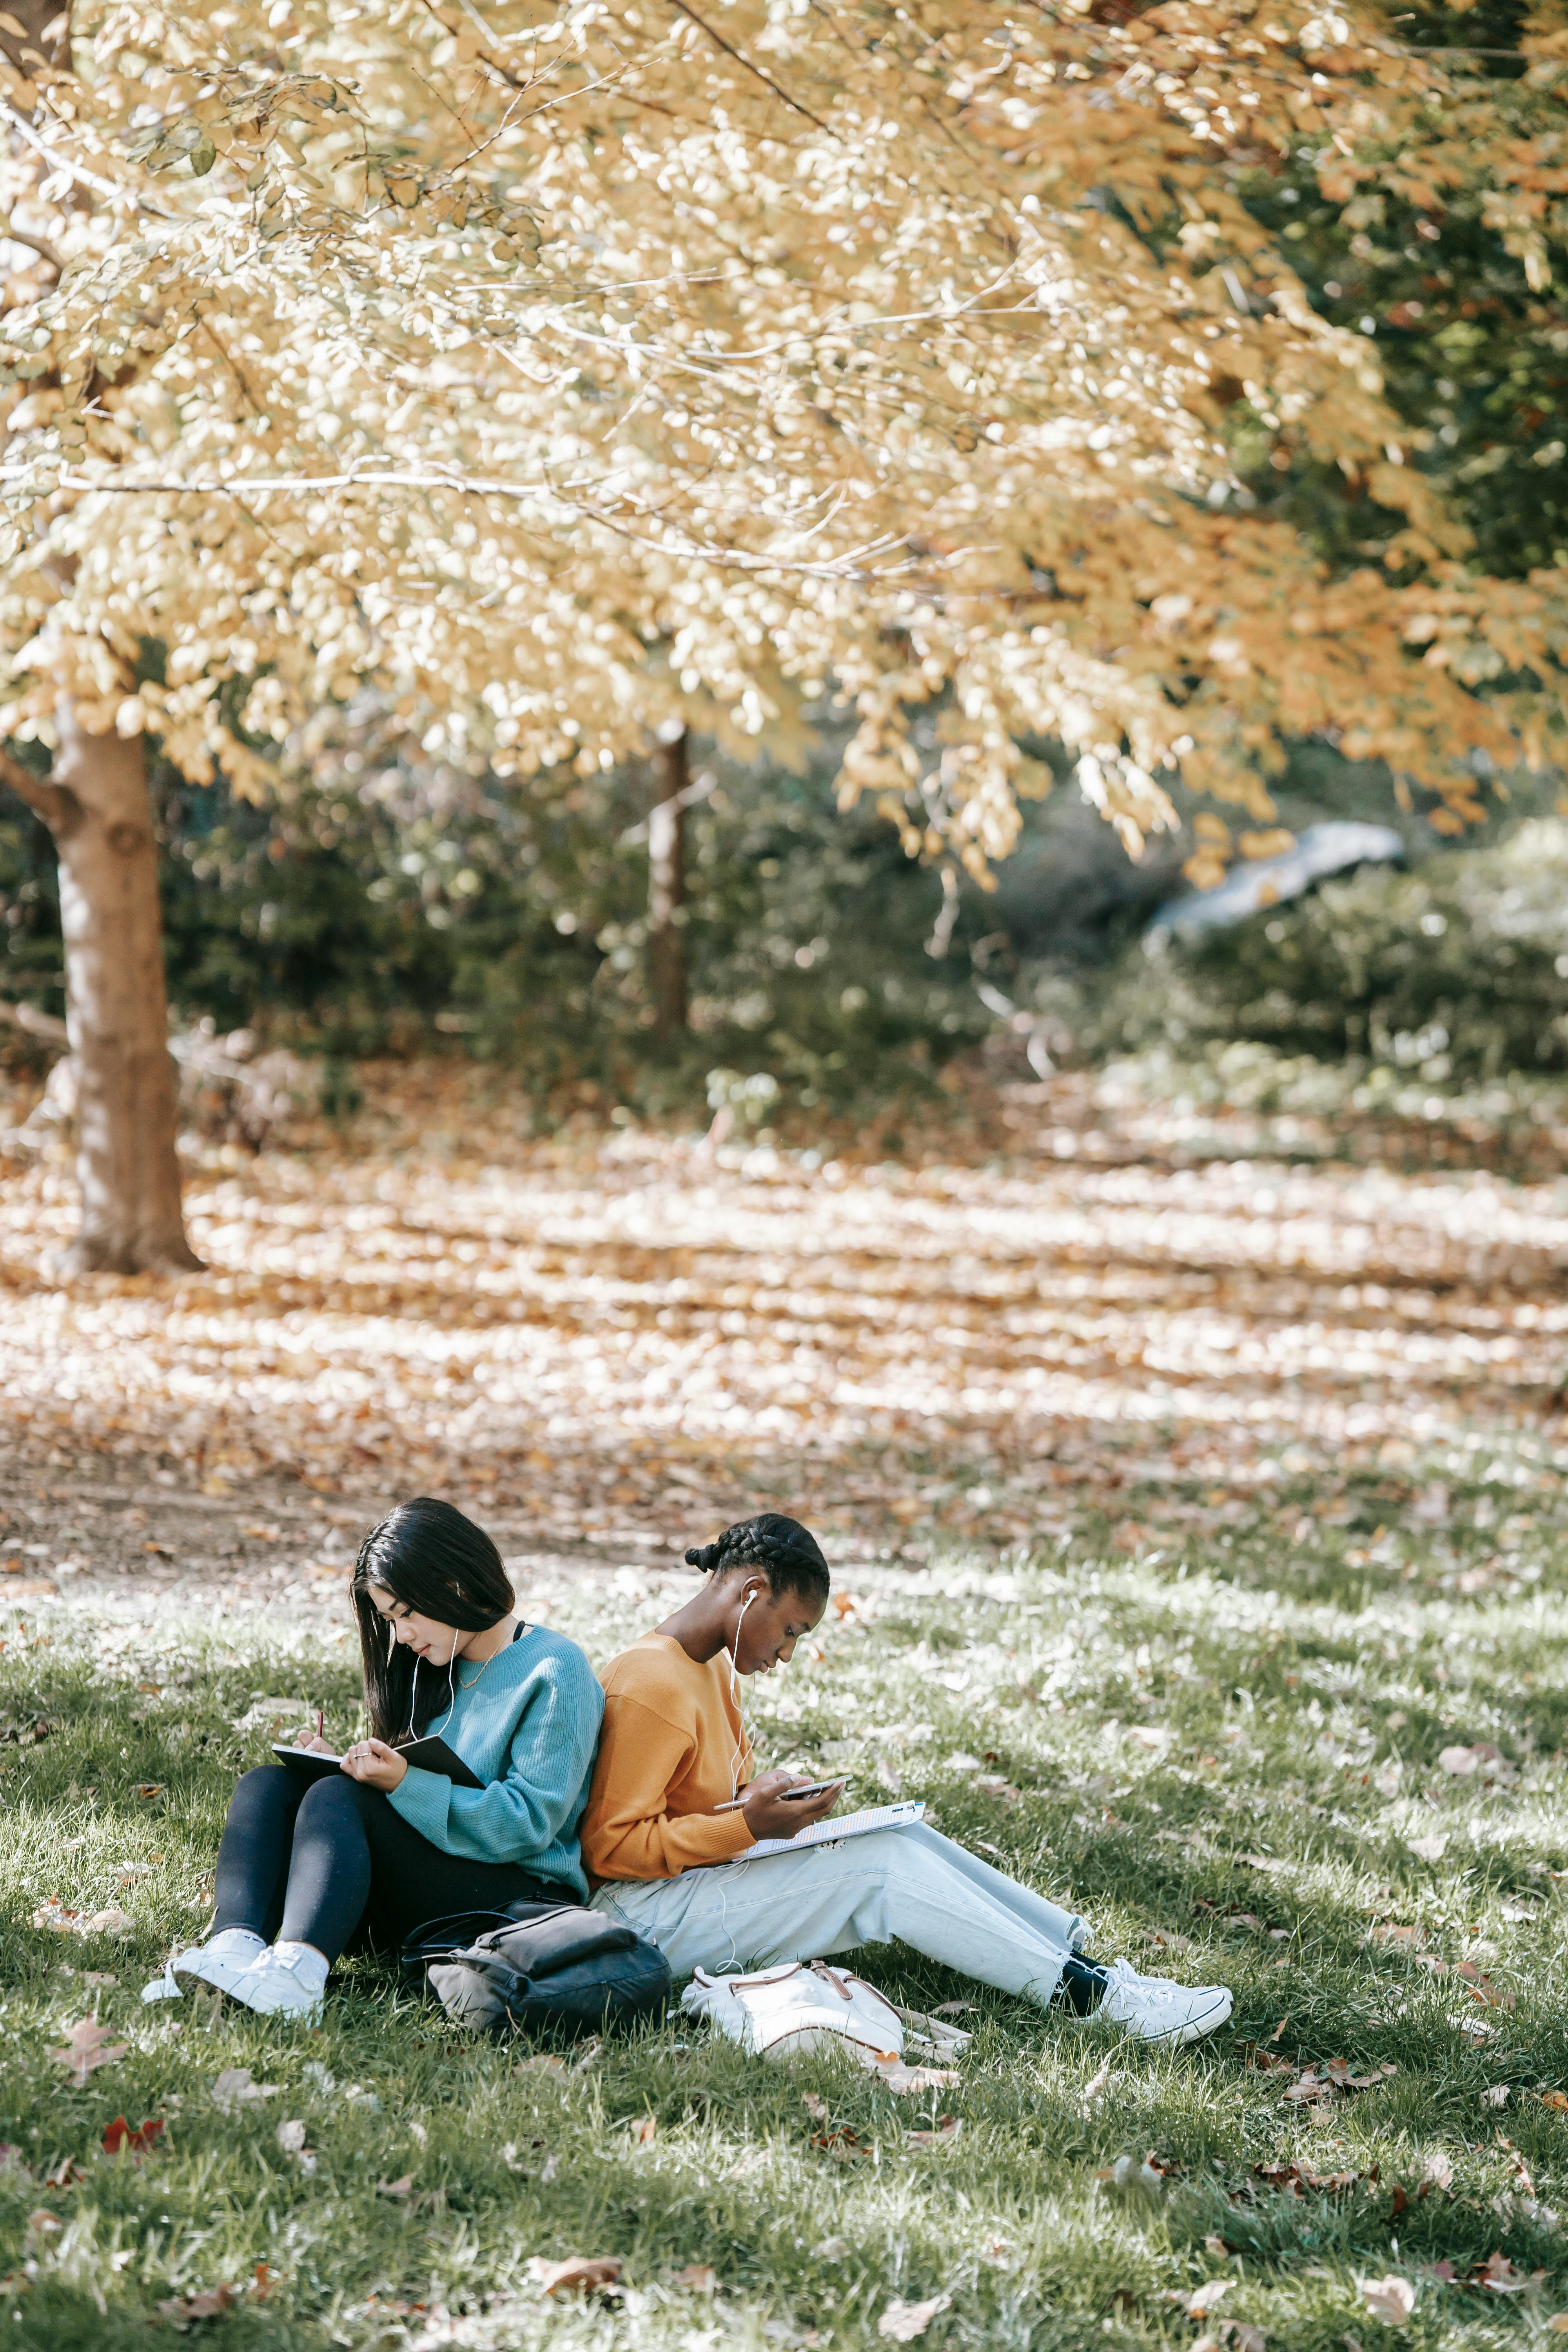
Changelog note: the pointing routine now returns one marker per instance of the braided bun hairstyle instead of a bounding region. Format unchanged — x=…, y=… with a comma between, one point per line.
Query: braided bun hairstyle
x=788, y=1554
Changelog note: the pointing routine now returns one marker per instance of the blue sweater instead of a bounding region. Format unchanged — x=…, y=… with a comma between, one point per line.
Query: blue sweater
x=528, y=1725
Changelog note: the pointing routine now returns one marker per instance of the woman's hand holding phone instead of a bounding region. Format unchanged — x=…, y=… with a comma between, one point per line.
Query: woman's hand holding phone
x=767, y=1811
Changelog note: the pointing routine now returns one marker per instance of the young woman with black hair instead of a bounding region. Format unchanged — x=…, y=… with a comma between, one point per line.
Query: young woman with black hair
x=666, y=1842
x=383, y=1843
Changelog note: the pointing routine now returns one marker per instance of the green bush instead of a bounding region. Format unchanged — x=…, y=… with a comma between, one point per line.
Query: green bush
x=1457, y=969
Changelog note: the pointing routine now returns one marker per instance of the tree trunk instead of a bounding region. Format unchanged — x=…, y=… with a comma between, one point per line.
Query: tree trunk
x=97, y=807
x=667, y=883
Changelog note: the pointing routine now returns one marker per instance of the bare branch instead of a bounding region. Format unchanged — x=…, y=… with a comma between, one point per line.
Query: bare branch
x=19, y=123
x=36, y=1023
x=12, y=235
x=720, y=42
x=56, y=803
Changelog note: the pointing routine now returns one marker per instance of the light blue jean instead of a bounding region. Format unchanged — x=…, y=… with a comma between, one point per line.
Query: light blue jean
x=910, y=1884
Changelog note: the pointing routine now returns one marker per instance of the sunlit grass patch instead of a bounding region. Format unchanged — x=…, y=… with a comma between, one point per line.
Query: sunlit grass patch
x=1331, y=1784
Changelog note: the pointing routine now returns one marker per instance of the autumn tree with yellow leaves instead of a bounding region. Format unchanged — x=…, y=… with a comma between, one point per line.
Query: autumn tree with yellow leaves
x=582, y=374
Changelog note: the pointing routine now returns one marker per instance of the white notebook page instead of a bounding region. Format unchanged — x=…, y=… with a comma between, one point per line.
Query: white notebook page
x=843, y=1825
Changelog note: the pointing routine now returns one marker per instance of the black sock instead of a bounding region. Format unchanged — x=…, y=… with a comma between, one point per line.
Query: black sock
x=1082, y=1985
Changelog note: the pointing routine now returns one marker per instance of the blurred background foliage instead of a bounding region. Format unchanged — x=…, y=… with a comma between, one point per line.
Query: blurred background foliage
x=1473, y=355
x=384, y=906
x=387, y=906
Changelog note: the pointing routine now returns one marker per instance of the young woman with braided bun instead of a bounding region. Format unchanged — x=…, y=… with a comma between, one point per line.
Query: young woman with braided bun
x=665, y=1841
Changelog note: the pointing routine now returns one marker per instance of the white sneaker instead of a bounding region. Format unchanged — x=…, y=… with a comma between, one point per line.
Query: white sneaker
x=220, y=1963
x=286, y=1982
x=1154, y=2008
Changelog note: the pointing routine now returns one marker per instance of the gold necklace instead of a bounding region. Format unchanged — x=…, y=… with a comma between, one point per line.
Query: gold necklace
x=485, y=1668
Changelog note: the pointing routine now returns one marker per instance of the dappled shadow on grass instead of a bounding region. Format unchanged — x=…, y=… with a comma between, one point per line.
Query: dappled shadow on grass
x=1194, y=1757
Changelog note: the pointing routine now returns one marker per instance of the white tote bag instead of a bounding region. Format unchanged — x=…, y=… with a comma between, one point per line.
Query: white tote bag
x=789, y=2011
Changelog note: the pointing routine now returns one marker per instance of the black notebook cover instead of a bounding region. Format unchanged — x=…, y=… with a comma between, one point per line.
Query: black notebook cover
x=429, y=1754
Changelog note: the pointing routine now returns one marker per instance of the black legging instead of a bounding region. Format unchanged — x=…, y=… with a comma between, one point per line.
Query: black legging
x=306, y=1861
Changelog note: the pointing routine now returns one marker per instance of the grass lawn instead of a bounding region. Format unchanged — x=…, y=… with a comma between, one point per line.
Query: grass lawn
x=1228, y=1750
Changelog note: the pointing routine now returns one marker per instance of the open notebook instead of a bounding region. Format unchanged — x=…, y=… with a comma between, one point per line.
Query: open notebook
x=431, y=1755
x=828, y=1833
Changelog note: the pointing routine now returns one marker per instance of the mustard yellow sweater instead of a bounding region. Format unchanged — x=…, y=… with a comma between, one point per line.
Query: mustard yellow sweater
x=672, y=1749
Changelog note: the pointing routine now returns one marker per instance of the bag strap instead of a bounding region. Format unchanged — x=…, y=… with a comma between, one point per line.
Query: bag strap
x=740, y=1984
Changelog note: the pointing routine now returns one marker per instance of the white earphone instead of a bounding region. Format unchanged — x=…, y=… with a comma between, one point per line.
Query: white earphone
x=744, y=1750
x=451, y=1691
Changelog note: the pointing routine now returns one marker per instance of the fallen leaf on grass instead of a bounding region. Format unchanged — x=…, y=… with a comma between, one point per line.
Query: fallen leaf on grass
x=1464, y=1762
x=88, y=2047
x=1496, y=2094
x=395, y=2187
x=698, y=2278
x=1558, y=2099
x=814, y=2108
x=906, y=2079
x=1291, y=2180
x=841, y=2142
x=1127, y=2178
x=1336, y=2076
x=64, y=1921
x=644, y=2131
x=1204, y=2299
x=120, y=2136
x=184, y=2310
x=947, y=2129
x=65, y=2175
x=833, y=2250
x=1238, y=2335
x=234, y=2088
x=40, y=2222
x=543, y=2062
x=1429, y=1849
x=1499, y=2276
x=112, y=1922
x=1095, y=2089
x=579, y=2274
x=1390, y=2299
x=904, y=2321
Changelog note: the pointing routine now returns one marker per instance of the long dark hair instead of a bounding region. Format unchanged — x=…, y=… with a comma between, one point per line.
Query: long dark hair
x=788, y=1554
x=426, y=1555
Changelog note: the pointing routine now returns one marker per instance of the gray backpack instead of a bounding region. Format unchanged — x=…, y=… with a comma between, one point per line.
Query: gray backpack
x=538, y=1968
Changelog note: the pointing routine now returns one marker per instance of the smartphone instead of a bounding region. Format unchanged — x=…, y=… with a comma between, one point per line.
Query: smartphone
x=786, y=1796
